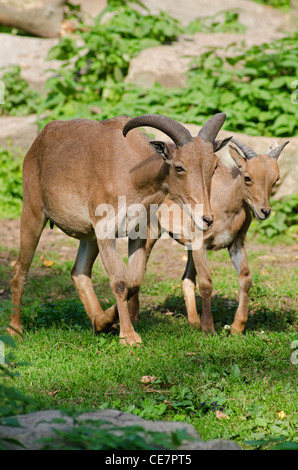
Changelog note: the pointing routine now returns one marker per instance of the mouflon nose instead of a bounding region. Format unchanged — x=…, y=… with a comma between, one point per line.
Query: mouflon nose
x=208, y=221
x=266, y=212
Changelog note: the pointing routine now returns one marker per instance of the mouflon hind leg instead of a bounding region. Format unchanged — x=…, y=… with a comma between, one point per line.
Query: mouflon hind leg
x=81, y=277
x=31, y=226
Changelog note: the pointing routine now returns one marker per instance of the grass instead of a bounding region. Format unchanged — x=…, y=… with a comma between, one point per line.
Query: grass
x=250, y=378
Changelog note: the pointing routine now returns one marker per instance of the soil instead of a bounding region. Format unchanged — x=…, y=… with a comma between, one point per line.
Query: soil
x=167, y=260
x=164, y=260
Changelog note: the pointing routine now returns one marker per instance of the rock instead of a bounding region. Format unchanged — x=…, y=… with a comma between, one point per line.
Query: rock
x=30, y=54
x=294, y=7
x=288, y=160
x=40, y=17
x=168, y=64
x=39, y=425
x=249, y=12
x=18, y=131
x=89, y=8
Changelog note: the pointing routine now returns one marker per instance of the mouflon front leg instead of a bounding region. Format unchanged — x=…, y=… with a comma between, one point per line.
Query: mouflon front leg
x=238, y=256
x=119, y=282
x=197, y=264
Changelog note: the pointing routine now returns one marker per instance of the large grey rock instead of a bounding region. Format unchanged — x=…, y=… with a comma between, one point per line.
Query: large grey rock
x=168, y=64
x=40, y=17
x=18, y=131
x=39, y=425
x=90, y=8
x=257, y=17
x=30, y=54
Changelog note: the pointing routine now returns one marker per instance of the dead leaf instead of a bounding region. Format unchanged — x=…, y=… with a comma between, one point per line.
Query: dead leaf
x=221, y=415
x=45, y=262
x=167, y=402
x=53, y=393
x=95, y=109
x=148, y=379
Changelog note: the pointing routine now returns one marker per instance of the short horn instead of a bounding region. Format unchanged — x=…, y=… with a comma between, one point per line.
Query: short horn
x=248, y=151
x=275, y=153
x=176, y=131
x=212, y=127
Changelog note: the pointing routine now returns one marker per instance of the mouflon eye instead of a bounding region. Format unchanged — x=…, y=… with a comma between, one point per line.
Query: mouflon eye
x=179, y=169
x=247, y=179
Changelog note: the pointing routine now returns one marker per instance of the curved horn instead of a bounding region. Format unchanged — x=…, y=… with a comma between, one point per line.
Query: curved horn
x=212, y=127
x=176, y=131
x=248, y=151
x=275, y=153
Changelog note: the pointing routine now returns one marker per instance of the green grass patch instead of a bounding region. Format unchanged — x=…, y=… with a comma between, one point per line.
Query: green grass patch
x=252, y=378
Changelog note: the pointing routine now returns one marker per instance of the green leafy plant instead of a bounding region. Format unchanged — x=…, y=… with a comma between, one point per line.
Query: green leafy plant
x=101, y=435
x=282, y=4
x=283, y=220
x=222, y=22
x=11, y=189
x=20, y=98
x=94, y=70
x=11, y=400
x=273, y=443
x=254, y=85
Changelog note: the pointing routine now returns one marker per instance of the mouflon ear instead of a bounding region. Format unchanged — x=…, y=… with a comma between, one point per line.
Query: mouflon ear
x=237, y=157
x=219, y=144
x=162, y=149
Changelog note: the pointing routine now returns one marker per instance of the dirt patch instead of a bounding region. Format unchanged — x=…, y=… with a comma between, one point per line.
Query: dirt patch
x=167, y=260
x=50, y=240
x=168, y=257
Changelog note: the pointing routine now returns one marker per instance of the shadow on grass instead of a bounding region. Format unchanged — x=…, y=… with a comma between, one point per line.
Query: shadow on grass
x=224, y=309
x=70, y=313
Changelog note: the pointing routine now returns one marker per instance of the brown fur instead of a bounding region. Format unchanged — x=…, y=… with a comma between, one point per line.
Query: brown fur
x=74, y=166
x=232, y=200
